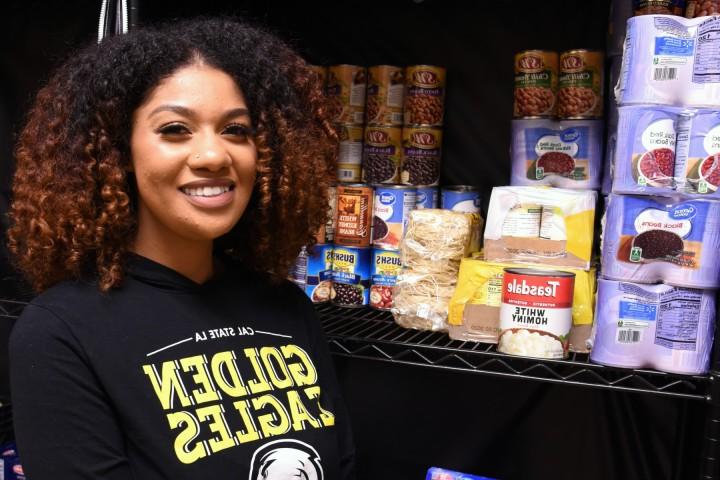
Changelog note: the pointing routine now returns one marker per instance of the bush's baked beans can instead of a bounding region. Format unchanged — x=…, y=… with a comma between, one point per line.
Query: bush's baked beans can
x=424, y=95
x=460, y=198
x=536, y=312
x=346, y=89
x=536, y=79
x=421, y=153
x=427, y=197
x=391, y=207
x=321, y=72
x=385, y=94
x=385, y=268
x=354, y=215
x=326, y=233
x=581, y=82
x=381, y=154
x=351, y=276
x=312, y=272
x=350, y=153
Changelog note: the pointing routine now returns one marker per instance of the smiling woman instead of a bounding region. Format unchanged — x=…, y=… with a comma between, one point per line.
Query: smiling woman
x=153, y=176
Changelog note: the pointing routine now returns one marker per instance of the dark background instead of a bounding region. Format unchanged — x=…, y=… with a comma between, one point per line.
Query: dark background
x=407, y=419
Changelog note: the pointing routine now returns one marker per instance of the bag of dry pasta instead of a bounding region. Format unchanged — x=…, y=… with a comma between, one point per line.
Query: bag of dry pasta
x=434, y=243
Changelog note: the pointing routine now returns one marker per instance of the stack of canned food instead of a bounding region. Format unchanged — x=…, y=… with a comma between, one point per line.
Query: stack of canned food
x=356, y=260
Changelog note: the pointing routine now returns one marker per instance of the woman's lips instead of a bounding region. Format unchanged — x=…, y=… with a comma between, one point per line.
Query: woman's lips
x=215, y=201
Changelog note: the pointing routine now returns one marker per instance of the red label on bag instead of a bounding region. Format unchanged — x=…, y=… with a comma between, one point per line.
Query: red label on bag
x=537, y=288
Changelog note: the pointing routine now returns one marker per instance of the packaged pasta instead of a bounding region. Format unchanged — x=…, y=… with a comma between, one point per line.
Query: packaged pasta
x=434, y=244
x=474, y=312
x=547, y=226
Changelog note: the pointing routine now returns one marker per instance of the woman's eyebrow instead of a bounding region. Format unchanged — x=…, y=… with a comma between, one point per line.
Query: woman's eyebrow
x=236, y=112
x=179, y=109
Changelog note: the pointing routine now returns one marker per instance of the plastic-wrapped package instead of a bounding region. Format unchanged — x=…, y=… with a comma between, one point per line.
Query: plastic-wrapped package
x=610, y=147
x=657, y=326
x=645, y=150
x=474, y=312
x=675, y=240
x=566, y=153
x=434, y=243
x=546, y=226
x=670, y=60
x=697, y=163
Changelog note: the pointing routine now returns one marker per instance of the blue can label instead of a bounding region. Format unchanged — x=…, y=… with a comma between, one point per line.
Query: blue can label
x=427, y=197
x=391, y=210
x=313, y=272
x=385, y=269
x=351, y=275
x=460, y=201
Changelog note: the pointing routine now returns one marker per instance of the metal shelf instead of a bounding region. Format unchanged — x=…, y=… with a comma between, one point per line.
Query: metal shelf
x=371, y=334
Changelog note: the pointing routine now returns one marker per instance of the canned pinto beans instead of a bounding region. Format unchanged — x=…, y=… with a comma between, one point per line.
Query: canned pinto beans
x=383, y=277
x=381, y=154
x=424, y=95
x=346, y=86
x=536, y=312
x=351, y=276
x=581, y=84
x=535, y=83
x=385, y=94
x=354, y=213
x=391, y=207
x=421, y=153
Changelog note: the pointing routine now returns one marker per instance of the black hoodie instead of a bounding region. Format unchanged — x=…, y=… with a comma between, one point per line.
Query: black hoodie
x=166, y=378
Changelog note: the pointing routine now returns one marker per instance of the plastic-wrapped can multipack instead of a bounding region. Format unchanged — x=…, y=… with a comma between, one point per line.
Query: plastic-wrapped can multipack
x=650, y=239
x=654, y=326
x=610, y=147
x=547, y=226
x=434, y=243
x=670, y=60
x=566, y=154
x=697, y=163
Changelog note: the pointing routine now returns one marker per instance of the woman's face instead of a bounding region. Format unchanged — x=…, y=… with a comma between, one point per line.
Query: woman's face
x=193, y=156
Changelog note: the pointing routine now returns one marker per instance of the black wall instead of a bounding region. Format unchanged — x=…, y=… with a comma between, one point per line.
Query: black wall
x=407, y=418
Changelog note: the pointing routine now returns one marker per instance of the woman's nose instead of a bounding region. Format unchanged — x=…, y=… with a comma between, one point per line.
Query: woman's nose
x=209, y=153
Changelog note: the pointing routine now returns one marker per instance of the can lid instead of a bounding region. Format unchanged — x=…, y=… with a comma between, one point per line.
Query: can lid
x=355, y=185
x=460, y=188
x=538, y=273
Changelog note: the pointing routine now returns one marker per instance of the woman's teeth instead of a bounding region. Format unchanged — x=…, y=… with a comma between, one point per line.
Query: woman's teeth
x=205, y=191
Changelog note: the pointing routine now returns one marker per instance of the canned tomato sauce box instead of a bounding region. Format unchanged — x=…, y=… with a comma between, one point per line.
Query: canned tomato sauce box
x=381, y=154
x=535, y=83
x=351, y=276
x=536, y=312
x=421, y=154
x=350, y=153
x=385, y=94
x=580, y=93
x=354, y=214
x=346, y=88
x=313, y=272
x=391, y=208
x=424, y=95
x=383, y=277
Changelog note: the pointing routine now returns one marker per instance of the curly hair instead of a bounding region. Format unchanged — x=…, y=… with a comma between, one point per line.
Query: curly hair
x=73, y=214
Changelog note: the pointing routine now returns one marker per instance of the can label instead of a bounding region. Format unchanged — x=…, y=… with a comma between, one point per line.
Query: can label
x=421, y=153
x=467, y=201
x=326, y=232
x=381, y=154
x=581, y=84
x=350, y=153
x=354, y=213
x=535, y=83
x=427, y=197
x=424, y=95
x=351, y=276
x=536, y=313
x=313, y=272
x=346, y=86
x=385, y=94
x=391, y=208
x=385, y=269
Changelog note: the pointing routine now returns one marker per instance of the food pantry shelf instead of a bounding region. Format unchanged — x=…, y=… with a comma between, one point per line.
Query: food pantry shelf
x=371, y=334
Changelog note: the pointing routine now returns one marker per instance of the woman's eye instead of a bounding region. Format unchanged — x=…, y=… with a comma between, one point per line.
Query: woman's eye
x=174, y=129
x=242, y=132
